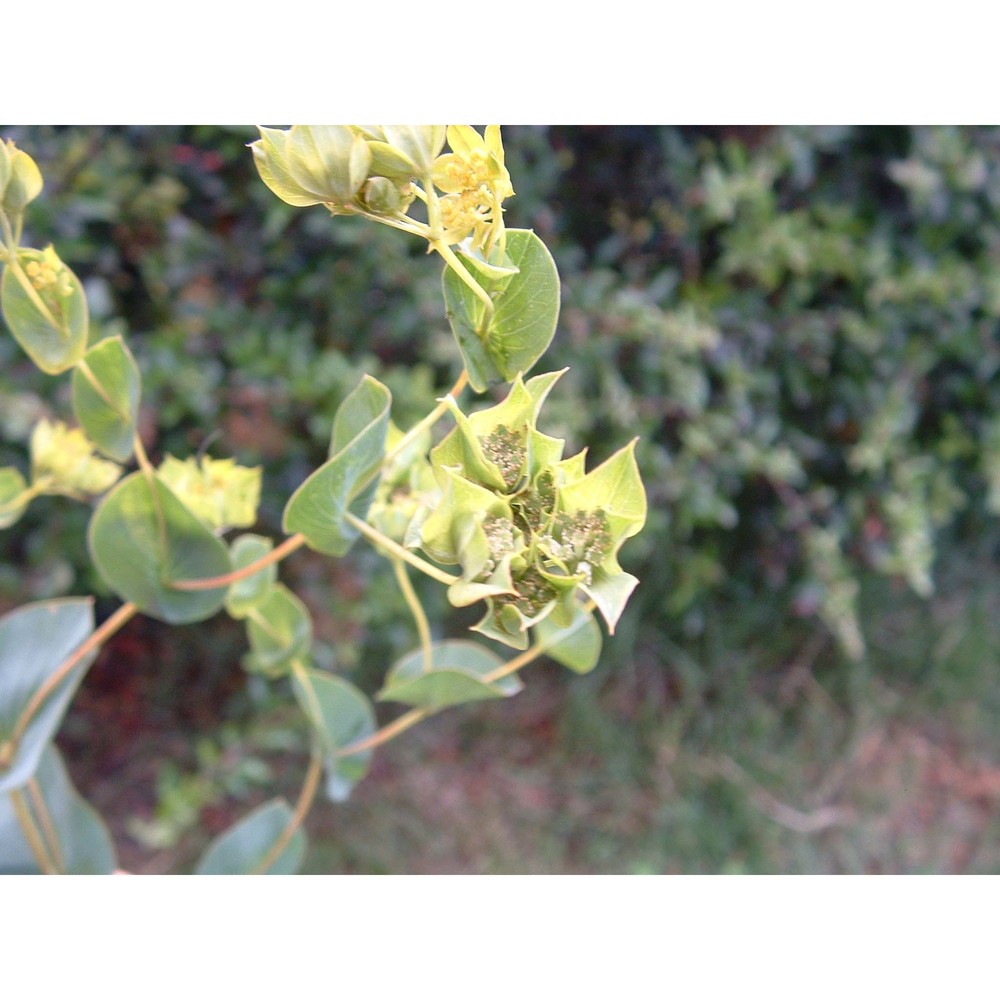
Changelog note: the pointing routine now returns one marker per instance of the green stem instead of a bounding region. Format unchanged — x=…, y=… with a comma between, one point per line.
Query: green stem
x=456, y=265
x=386, y=733
x=429, y=421
x=302, y=807
x=416, y=609
x=49, y=834
x=31, y=834
x=382, y=541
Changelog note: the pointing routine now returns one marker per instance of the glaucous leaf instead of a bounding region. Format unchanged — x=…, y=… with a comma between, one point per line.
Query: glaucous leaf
x=280, y=631
x=142, y=538
x=54, y=336
x=346, y=482
x=34, y=641
x=577, y=645
x=340, y=715
x=241, y=849
x=108, y=407
x=526, y=310
x=246, y=594
x=455, y=676
x=83, y=843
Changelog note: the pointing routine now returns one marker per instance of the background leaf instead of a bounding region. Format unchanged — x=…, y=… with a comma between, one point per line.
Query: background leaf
x=348, y=480
x=340, y=715
x=109, y=422
x=280, y=631
x=141, y=537
x=241, y=848
x=246, y=594
x=455, y=677
x=52, y=349
x=34, y=641
x=84, y=842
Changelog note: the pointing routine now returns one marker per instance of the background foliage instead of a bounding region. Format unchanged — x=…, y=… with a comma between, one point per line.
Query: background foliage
x=800, y=325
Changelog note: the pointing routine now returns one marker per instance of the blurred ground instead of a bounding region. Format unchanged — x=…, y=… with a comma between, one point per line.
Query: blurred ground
x=750, y=751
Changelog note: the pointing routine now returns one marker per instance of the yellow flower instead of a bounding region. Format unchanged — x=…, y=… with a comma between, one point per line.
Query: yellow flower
x=63, y=462
x=475, y=183
x=220, y=492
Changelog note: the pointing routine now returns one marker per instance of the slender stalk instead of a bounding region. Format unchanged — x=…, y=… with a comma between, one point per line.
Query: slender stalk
x=94, y=641
x=31, y=834
x=287, y=547
x=429, y=421
x=383, y=541
x=416, y=609
x=456, y=265
x=302, y=807
x=386, y=733
x=49, y=833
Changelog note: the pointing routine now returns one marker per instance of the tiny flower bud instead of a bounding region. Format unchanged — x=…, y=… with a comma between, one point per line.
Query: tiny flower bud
x=20, y=179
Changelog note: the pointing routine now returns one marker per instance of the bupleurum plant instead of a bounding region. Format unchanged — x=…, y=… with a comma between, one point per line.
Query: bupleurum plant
x=494, y=510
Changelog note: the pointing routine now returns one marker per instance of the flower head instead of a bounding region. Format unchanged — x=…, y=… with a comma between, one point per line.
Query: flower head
x=476, y=182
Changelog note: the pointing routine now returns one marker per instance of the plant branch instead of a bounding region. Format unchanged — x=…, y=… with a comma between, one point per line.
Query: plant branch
x=49, y=834
x=302, y=807
x=386, y=733
x=429, y=421
x=416, y=609
x=456, y=265
x=31, y=834
x=375, y=536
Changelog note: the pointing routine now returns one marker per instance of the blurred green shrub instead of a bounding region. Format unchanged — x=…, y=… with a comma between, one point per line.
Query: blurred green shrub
x=800, y=324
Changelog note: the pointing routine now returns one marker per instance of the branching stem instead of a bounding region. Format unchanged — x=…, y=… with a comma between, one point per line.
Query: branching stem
x=287, y=547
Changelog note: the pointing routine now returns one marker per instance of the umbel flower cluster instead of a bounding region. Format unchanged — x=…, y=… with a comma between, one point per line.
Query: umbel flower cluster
x=378, y=171
x=531, y=531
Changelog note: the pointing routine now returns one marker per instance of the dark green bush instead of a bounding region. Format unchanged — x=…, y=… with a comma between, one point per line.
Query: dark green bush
x=800, y=324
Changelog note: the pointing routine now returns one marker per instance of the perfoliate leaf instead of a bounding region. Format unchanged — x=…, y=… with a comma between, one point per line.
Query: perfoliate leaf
x=142, y=539
x=526, y=310
x=246, y=594
x=241, y=849
x=455, y=676
x=108, y=411
x=347, y=482
x=50, y=322
x=34, y=642
x=280, y=631
x=577, y=645
x=83, y=845
x=340, y=715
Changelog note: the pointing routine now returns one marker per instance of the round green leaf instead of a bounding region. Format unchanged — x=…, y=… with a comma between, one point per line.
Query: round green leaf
x=241, y=848
x=526, y=310
x=142, y=537
x=347, y=482
x=246, y=594
x=280, y=631
x=84, y=844
x=34, y=641
x=54, y=347
x=577, y=645
x=455, y=677
x=108, y=414
x=340, y=715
